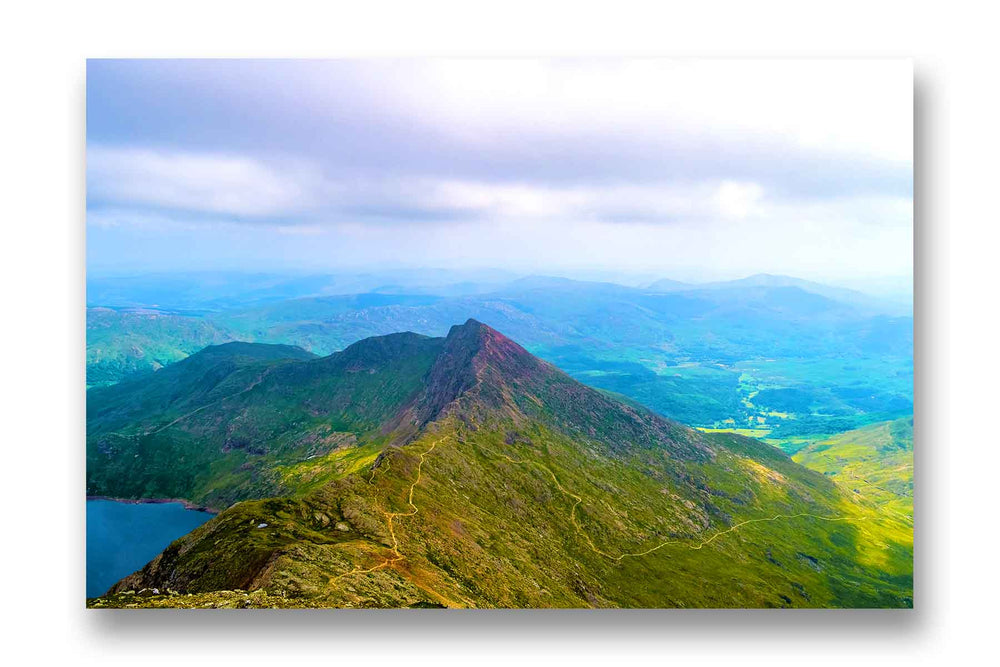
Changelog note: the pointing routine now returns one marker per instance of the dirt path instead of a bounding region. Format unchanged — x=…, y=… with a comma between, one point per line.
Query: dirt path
x=577, y=499
x=250, y=386
x=698, y=545
x=155, y=430
x=390, y=518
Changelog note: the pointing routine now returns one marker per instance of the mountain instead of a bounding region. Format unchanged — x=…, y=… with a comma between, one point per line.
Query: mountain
x=873, y=304
x=718, y=325
x=225, y=423
x=122, y=343
x=464, y=472
x=767, y=355
x=667, y=285
x=221, y=290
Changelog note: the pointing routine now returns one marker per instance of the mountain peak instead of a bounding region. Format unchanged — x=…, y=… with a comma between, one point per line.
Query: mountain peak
x=482, y=376
x=482, y=347
x=474, y=355
x=474, y=331
x=471, y=325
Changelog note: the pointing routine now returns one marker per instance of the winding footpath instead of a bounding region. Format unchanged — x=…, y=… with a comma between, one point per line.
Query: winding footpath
x=577, y=500
x=158, y=429
x=390, y=517
x=698, y=545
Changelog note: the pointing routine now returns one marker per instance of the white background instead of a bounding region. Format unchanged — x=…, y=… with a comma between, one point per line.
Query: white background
x=42, y=239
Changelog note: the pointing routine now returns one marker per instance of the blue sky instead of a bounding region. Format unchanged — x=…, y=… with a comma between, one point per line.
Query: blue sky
x=687, y=169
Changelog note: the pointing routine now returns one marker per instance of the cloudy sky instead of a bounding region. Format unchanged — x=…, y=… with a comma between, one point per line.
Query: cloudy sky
x=686, y=169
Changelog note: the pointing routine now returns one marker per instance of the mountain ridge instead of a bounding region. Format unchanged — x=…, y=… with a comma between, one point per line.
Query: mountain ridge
x=506, y=484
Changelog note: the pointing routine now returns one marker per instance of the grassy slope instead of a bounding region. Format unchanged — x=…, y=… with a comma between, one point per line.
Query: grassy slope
x=530, y=490
x=490, y=527
x=874, y=462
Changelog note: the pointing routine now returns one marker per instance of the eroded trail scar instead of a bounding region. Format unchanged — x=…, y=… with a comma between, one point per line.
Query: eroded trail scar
x=390, y=518
x=695, y=546
x=187, y=415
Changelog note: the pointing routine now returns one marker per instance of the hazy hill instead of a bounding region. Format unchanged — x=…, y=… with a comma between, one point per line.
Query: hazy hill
x=667, y=285
x=122, y=343
x=221, y=290
x=720, y=324
x=463, y=471
x=855, y=298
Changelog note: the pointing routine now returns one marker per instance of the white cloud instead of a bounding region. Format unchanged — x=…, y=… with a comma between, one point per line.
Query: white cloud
x=243, y=186
x=738, y=200
x=206, y=182
x=657, y=202
x=862, y=107
x=738, y=166
x=192, y=190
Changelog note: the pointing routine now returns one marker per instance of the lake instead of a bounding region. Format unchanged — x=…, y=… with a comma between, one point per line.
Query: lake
x=123, y=537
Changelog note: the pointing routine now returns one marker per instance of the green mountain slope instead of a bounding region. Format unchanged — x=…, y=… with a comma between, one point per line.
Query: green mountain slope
x=225, y=424
x=478, y=475
x=874, y=462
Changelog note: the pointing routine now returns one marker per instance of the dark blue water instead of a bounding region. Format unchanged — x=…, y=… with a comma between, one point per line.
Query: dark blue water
x=123, y=537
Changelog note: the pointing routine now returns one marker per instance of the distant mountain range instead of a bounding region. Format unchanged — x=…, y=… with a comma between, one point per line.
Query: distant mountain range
x=772, y=354
x=463, y=471
x=873, y=304
x=215, y=291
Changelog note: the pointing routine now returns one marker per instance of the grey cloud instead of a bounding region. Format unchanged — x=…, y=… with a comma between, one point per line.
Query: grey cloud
x=360, y=135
